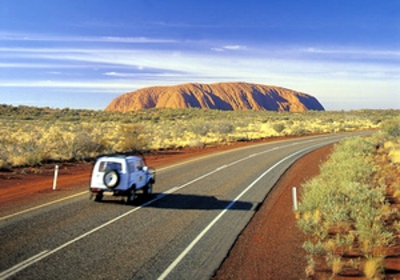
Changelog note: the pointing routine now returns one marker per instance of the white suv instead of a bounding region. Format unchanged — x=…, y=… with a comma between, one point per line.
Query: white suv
x=121, y=176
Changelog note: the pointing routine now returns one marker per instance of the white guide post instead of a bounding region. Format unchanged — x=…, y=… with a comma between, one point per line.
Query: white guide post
x=55, y=177
x=294, y=195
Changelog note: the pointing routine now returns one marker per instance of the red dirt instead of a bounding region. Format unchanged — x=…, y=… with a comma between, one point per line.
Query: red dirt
x=268, y=248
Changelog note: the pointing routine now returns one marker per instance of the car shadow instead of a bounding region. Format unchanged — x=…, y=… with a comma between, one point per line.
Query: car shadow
x=190, y=202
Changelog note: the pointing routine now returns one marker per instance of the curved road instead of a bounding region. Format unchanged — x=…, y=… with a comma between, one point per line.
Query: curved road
x=184, y=231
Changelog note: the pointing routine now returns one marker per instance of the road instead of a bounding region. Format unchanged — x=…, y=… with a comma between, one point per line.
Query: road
x=183, y=231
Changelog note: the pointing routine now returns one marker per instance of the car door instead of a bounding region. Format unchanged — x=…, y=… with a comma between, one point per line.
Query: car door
x=132, y=173
x=140, y=174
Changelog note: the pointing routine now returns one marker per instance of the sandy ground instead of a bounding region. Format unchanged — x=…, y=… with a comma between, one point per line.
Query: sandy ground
x=268, y=248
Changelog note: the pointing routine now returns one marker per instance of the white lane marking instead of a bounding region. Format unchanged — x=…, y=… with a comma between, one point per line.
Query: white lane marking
x=221, y=167
x=21, y=266
x=42, y=205
x=216, y=219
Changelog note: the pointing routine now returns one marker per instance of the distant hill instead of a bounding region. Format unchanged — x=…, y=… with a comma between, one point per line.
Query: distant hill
x=223, y=96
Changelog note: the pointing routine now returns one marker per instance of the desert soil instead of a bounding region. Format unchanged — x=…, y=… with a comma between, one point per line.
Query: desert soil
x=268, y=248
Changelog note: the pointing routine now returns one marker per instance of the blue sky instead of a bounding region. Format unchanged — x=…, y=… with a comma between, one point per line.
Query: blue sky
x=83, y=54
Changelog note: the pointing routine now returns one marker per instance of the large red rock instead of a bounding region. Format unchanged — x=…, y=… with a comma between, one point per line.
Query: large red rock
x=222, y=96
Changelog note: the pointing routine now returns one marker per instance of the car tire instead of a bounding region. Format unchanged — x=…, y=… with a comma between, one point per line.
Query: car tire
x=111, y=178
x=131, y=196
x=148, y=189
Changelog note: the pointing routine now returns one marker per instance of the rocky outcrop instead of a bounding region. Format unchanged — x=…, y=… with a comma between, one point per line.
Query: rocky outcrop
x=222, y=96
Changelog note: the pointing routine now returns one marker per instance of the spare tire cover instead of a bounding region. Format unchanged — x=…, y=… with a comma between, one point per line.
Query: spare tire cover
x=111, y=178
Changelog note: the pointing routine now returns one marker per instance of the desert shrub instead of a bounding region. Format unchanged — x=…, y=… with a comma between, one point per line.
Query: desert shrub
x=24, y=149
x=200, y=128
x=129, y=138
x=223, y=127
x=350, y=161
x=278, y=127
x=71, y=142
x=299, y=130
x=84, y=145
x=196, y=144
x=392, y=127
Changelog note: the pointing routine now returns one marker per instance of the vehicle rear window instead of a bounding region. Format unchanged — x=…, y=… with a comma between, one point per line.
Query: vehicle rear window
x=105, y=166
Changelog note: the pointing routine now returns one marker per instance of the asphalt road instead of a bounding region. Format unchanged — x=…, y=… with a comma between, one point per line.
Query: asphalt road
x=183, y=231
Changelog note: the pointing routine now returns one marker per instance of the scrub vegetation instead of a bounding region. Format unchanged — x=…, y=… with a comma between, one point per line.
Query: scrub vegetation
x=350, y=212
x=31, y=136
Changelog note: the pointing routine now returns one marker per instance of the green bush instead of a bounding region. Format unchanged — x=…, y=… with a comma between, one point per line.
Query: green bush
x=392, y=127
x=343, y=199
x=278, y=127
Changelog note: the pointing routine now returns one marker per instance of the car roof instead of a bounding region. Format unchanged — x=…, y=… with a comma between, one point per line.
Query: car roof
x=119, y=158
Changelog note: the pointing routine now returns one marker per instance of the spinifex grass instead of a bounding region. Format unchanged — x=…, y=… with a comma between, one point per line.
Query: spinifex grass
x=343, y=210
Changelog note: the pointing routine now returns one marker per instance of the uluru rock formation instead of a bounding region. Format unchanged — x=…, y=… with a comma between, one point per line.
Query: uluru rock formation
x=222, y=96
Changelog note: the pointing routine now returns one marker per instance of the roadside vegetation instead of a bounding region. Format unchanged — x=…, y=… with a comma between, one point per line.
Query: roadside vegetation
x=31, y=136
x=350, y=212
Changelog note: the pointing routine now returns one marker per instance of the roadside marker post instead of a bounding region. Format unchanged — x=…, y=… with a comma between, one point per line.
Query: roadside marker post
x=294, y=195
x=55, y=177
